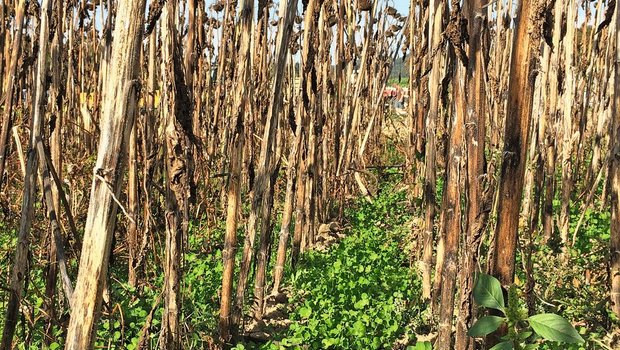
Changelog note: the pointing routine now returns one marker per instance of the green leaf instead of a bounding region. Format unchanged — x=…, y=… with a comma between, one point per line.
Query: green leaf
x=305, y=312
x=290, y=342
x=329, y=342
x=505, y=345
x=360, y=304
x=54, y=346
x=524, y=335
x=485, y=325
x=488, y=292
x=359, y=329
x=421, y=345
x=337, y=265
x=555, y=328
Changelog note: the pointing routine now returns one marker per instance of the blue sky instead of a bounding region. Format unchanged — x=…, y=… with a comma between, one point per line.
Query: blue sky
x=401, y=5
